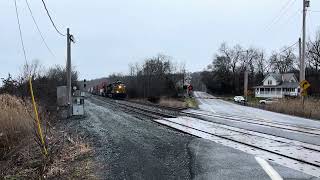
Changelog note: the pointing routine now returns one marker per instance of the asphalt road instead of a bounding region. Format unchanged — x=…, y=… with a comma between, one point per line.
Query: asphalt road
x=211, y=104
x=129, y=146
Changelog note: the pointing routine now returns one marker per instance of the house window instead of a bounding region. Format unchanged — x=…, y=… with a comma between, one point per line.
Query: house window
x=269, y=82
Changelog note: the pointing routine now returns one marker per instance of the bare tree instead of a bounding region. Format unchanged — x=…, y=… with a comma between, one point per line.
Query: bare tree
x=260, y=63
x=233, y=54
x=33, y=69
x=313, y=53
x=283, y=61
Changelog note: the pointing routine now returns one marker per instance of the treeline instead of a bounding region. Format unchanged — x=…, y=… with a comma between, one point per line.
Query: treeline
x=156, y=77
x=44, y=81
x=225, y=75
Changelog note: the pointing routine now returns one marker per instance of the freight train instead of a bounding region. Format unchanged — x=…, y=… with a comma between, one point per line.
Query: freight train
x=113, y=90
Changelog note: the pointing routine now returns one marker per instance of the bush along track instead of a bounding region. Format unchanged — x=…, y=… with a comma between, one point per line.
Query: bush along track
x=22, y=155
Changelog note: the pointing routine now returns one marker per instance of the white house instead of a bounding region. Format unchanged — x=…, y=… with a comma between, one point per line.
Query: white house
x=278, y=86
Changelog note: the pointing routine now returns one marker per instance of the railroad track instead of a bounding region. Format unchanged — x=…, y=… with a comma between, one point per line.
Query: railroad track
x=238, y=118
x=291, y=153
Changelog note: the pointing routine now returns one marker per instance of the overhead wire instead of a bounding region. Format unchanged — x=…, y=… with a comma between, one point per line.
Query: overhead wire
x=282, y=12
x=41, y=35
x=290, y=18
x=45, y=6
x=289, y=47
x=20, y=32
x=311, y=26
x=313, y=11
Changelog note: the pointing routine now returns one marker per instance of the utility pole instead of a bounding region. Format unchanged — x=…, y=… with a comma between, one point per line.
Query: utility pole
x=68, y=69
x=306, y=4
x=245, y=89
x=300, y=56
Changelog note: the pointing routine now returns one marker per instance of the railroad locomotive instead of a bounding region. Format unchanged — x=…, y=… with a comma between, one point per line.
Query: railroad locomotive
x=116, y=90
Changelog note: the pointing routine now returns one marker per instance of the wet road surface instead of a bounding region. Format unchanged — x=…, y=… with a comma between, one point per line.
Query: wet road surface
x=130, y=146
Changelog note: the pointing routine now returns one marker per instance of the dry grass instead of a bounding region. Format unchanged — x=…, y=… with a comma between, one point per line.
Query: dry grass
x=170, y=102
x=311, y=108
x=20, y=155
x=73, y=161
x=15, y=122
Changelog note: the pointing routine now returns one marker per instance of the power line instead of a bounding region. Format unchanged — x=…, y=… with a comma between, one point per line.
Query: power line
x=314, y=11
x=35, y=22
x=44, y=4
x=281, y=13
x=21, y=39
x=290, y=47
x=290, y=18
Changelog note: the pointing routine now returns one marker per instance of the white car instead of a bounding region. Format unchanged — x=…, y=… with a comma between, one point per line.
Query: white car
x=239, y=99
x=268, y=101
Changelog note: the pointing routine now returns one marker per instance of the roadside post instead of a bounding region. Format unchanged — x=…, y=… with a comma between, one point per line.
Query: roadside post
x=304, y=85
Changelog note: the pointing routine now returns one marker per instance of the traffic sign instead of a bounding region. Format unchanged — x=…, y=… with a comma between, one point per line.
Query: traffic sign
x=304, y=84
x=304, y=93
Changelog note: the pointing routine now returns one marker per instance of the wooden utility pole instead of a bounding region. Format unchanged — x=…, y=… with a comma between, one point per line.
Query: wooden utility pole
x=300, y=56
x=245, y=89
x=306, y=4
x=68, y=69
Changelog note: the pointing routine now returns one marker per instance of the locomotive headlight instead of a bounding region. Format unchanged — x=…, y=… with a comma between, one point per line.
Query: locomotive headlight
x=120, y=87
x=117, y=91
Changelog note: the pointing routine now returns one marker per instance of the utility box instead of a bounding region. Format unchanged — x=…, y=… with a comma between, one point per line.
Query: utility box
x=78, y=104
x=62, y=102
x=62, y=96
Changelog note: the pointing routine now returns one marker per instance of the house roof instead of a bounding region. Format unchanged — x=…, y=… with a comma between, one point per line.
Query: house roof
x=277, y=77
x=283, y=80
x=289, y=85
x=283, y=85
x=287, y=76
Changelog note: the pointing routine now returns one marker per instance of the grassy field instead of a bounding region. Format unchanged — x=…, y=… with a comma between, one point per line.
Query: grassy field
x=310, y=109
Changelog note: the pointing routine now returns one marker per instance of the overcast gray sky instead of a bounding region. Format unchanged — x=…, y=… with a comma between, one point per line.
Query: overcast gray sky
x=110, y=34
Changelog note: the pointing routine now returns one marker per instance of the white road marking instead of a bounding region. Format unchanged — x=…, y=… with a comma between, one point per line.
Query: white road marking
x=273, y=174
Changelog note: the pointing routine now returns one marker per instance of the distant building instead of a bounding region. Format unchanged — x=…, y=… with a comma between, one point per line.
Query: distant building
x=278, y=86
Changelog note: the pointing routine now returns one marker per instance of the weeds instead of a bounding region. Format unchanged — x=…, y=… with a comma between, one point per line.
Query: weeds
x=191, y=102
x=15, y=121
x=170, y=102
x=311, y=108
